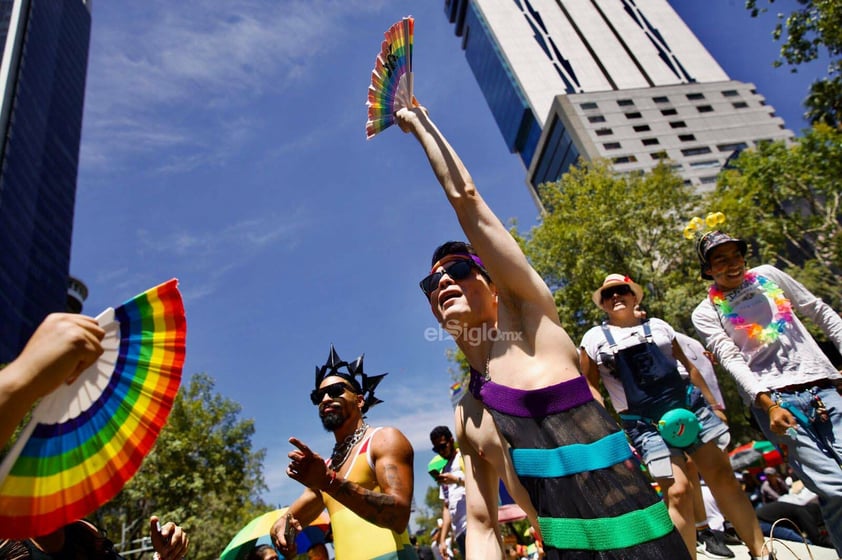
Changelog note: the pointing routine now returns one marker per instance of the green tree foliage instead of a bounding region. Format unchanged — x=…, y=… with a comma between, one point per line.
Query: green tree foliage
x=202, y=473
x=816, y=25
x=786, y=201
x=598, y=222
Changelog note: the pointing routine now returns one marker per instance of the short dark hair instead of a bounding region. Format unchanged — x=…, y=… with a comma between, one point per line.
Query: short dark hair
x=440, y=431
x=258, y=552
x=459, y=248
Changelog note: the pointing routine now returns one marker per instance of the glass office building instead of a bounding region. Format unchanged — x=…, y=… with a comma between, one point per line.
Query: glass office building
x=625, y=80
x=42, y=91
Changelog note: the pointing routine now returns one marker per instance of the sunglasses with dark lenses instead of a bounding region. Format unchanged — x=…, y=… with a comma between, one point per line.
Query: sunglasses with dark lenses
x=334, y=391
x=458, y=270
x=438, y=448
x=621, y=290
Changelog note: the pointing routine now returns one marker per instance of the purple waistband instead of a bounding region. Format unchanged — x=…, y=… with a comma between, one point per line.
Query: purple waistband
x=530, y=404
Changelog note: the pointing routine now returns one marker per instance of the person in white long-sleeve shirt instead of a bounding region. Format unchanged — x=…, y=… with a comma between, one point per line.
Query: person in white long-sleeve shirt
x=749, y=322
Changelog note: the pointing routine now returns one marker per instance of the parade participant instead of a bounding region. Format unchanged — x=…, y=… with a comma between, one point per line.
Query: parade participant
x=635, y=358
x=60, y=349
x=529, y=418
x=82, y=539
x=749, y=321
x=451, y=481
x=366, y=484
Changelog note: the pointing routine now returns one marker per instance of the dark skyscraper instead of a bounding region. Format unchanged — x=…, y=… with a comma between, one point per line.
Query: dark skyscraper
x=42, y=92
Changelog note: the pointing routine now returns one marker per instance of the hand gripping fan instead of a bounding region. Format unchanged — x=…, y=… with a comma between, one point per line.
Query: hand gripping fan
x=88, y=438
x=391, y=79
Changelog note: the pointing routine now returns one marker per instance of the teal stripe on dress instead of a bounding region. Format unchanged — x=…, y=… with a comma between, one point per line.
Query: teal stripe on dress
x=572, y=459
x=607, y=533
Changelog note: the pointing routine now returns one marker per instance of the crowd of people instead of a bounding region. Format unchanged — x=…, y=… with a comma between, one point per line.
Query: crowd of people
x=535, y=416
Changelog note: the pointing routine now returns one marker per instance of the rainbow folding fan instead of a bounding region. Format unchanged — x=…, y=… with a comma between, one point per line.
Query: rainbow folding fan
x=391, y=79
x=88, y=438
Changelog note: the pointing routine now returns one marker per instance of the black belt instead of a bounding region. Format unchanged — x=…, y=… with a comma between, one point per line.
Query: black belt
x=818, y=383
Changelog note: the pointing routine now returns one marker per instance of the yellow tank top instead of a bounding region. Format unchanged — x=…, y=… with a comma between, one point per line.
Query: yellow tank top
x=354, y=538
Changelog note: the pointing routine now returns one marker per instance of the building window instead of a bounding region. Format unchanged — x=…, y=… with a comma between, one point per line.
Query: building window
x=659, y=155
x=625, y=102
x=625, y=159
x=705, y=164
x=611, y=145
x=650, y=141
x=695, y=96
x=604, y=132
x=642, y=128
x=731, y=147
x=661, y=99
x=668, y=112
x=588, y=105
x=704, y=108
x=709, y=180
x=596, y=119
x=739, y=104
x=634, y=115
x=730, y=93
x=678, y=124
x=696, y=151
x=686, y=137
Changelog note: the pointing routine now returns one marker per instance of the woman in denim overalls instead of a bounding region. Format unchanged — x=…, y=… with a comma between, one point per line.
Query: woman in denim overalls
x=636, y=361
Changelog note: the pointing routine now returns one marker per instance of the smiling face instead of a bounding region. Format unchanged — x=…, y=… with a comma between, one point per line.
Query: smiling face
x=337, y=411
x=727, y=266
x=618, y=300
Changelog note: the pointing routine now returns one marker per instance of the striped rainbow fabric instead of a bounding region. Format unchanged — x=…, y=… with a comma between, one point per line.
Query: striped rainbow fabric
x=87, y=439
x=391, y=79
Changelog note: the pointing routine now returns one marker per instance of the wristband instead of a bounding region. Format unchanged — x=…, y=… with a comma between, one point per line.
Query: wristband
x=332, y=480
x=773, y=405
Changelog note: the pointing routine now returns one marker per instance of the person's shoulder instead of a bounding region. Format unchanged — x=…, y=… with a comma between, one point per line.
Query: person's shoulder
x=594, y=334
x=660, y=324
x=768, y=270
x=388, y=438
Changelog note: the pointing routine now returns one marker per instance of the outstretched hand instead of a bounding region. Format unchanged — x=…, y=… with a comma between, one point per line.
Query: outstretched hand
x=306, y=466
x=406, y=118
x=281, y=530
x=169, y=540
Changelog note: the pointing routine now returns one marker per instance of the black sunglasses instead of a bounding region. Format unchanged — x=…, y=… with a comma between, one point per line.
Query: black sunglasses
x=458, y=270
x=621, y=290
x=334, y=390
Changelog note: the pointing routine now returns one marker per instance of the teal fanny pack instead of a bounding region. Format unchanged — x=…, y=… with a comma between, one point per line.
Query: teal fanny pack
x=679, y=427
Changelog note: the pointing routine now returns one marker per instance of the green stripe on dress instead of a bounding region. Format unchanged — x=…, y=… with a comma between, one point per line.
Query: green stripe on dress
x=607, y=533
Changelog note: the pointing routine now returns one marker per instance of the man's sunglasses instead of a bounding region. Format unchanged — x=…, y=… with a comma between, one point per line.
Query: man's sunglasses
x=458, y=270
x=621, y=290
x=439, y=447
x=334, y=391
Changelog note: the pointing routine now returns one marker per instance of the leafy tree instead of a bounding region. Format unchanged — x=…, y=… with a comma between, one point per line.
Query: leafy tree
x=786, y=201
x=202, y=474
x=814, y=25
x=598, y=222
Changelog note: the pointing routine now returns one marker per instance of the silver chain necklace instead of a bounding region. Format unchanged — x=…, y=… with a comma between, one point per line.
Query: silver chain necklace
x=342, y=449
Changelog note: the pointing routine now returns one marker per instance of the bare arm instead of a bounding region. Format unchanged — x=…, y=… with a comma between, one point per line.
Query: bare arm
x=591, y=372
x=500, y=253
x=61, y=348
x=445, y=530
x=303, y=511
x=696, y=378
x=483, y=538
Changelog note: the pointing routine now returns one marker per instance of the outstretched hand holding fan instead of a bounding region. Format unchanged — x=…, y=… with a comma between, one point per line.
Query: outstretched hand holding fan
x=391, y=79
x=87, y=438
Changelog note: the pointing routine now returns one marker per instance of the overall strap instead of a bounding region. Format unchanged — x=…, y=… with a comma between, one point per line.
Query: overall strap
x=610, y=339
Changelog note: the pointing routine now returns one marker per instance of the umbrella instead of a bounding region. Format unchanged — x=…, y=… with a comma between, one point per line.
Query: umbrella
x=258, y=528
x=755, y=455
x=88, y=438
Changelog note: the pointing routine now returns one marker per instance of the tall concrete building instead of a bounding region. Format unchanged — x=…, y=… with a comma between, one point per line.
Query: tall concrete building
x=42, y=92
x=624, y=80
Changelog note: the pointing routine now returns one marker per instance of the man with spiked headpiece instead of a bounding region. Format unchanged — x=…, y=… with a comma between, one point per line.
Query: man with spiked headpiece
x=367, y=482
x=529, y=417
x=749, y=322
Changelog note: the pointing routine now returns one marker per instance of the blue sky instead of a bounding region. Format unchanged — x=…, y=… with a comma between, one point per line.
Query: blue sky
x=225, y=146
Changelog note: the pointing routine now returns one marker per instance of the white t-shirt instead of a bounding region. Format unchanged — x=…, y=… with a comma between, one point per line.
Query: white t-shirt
x=695, y=352
x=454, y=495
x=598, y=349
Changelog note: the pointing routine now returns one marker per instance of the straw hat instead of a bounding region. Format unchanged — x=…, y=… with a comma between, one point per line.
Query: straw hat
x=616, y=280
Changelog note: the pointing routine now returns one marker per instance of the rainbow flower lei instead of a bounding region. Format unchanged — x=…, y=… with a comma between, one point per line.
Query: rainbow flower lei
x=769, y=333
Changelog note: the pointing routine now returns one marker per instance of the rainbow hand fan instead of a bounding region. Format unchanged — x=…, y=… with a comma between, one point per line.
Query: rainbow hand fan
x=391, y=79
x=88, y=438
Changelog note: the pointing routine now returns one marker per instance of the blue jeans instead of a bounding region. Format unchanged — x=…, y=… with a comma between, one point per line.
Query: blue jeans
x=816, y=454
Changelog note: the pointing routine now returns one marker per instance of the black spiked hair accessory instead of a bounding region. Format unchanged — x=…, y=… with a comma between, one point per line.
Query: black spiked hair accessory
x=352, y=373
